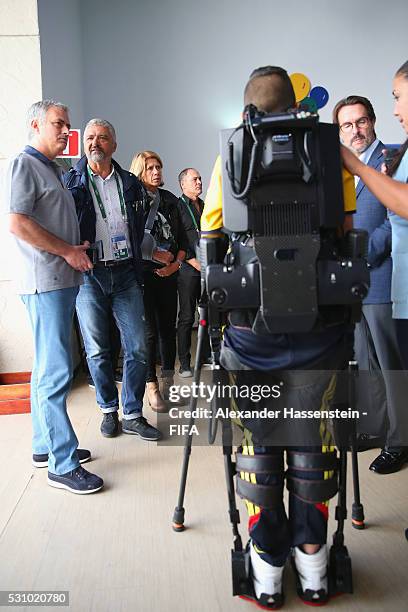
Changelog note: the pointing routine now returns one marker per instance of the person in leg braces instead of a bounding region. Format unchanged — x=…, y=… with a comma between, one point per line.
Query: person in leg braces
x=259, y=464
x=301, y=534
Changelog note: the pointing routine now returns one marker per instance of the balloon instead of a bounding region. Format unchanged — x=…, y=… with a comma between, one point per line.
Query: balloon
x=301, y=85
x=320, y=95
x=308, y=104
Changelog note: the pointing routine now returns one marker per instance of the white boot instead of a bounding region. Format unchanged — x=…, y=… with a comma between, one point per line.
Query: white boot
x=267, y=580
x=311, y=574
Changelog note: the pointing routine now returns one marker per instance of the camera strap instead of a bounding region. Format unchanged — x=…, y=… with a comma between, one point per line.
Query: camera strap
x=149, y=243
x=154, y=207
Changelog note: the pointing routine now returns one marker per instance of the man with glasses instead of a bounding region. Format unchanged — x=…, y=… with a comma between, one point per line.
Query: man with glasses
x=375, y=339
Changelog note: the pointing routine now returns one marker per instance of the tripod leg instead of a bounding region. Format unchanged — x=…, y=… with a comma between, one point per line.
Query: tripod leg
x=178, y=515
x=357, y=510
x=340, y=575
x=241, y=584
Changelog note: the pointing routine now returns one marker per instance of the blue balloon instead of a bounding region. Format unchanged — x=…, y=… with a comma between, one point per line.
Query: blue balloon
x=320, y=95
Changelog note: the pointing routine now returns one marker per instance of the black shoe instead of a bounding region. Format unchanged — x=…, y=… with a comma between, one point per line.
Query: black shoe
x=389, y=461
x=140, y=427
x=78, y=481
x=110, y=424
x=207, y=362
x=118, y=376
x=91, y=383
x=185, y=372
x=41, y=461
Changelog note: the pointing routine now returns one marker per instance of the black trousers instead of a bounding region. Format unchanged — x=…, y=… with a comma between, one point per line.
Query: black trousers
x=402, y=336
x=189, y=290
x=382, y=385
x=160, y=302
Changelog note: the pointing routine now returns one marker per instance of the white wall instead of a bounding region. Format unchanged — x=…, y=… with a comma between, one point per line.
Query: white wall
x=62, y=53
x=20, y=86
x=169, y=75
x=20, y=71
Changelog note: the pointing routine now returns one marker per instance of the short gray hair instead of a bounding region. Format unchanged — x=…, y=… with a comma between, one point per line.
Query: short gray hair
x=183, y=174
x=104, y=123
x=38, y=110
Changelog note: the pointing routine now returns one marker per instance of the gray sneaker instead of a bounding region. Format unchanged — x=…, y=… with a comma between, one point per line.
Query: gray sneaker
x=140, y=427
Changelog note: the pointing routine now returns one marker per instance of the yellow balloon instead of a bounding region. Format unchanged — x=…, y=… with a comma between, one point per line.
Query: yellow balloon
x=301, y=85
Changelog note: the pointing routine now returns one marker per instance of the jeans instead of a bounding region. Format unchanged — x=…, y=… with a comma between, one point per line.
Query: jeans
x=51, y=314
x=115, y=290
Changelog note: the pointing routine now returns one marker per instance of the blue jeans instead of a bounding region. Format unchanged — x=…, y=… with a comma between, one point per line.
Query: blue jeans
x=114, y=289
x=51, y=315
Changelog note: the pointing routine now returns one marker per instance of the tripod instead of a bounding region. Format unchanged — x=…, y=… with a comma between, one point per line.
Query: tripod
x=340, y=575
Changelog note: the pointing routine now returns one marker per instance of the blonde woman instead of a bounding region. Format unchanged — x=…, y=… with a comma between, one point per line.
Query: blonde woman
x=163, y=254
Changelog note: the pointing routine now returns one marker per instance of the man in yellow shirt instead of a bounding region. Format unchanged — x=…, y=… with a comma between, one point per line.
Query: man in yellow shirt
x=272, y=532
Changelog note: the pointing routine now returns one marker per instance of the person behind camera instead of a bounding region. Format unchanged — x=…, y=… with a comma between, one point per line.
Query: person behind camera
x=163, y=256
x=273, y=533
x=109, y=204
x=190, y=207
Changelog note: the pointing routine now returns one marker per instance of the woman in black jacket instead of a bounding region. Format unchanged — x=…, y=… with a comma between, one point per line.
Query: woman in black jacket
x=162, y=259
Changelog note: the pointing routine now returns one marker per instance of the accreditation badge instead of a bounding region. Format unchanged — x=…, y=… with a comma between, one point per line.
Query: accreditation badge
x=120, y=248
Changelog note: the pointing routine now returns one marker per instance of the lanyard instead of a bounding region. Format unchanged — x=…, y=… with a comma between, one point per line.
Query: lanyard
x=191, y=213
x=99, y=199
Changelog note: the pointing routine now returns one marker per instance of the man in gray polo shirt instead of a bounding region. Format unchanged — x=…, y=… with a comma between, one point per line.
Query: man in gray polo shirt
x=50, y=261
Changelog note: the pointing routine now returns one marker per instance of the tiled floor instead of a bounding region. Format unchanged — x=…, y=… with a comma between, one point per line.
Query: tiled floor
x=116, y=551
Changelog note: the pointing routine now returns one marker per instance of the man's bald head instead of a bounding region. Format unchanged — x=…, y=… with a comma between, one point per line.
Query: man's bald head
x=270, y=89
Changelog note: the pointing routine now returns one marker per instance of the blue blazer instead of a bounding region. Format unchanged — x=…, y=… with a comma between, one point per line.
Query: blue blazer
x=371, y=215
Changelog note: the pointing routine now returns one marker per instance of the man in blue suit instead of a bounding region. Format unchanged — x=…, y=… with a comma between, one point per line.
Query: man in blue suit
x=375, y=338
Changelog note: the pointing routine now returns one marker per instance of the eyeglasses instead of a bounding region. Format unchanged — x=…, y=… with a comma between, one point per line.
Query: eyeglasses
x=360, y=123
